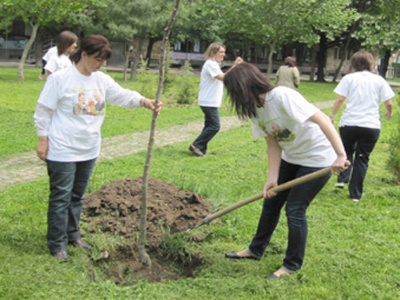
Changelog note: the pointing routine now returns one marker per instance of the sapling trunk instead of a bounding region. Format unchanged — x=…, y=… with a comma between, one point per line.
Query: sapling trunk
x=144, y=257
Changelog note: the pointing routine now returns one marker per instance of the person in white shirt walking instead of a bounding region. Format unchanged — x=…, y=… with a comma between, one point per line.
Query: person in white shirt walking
x=210, y=95
x=66, y=44
x=360, y=124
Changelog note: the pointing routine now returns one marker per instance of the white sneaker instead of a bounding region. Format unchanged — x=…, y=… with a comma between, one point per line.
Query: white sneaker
x=356, y=200
x=340, y=185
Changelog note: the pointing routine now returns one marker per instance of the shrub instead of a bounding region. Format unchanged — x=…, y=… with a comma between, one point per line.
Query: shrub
x=187, y=94
x=393, y=162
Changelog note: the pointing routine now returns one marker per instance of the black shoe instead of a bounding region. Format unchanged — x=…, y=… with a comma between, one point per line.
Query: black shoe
x=234, y=255
x=196, y=151
x=80, y=243
x=62, y=256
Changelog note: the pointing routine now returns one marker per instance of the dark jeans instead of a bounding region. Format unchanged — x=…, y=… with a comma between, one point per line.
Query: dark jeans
x=211, y=127
x=358, y=143
x=68, y=182
x=297, y=200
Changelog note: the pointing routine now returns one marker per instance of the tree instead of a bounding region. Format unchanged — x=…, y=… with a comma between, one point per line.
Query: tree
x=130, y=20
x=276, y=22
x=143, y=218
x=380, y=29
x=36, y=13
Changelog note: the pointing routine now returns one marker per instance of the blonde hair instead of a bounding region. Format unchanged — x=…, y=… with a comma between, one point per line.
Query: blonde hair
x=212, y=50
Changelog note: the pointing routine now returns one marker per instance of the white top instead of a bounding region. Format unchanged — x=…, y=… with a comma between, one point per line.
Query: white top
x=50, y=53
x=284, y=117
x=364, y=90
x=211, y=89
x=74, y=129
x=57, y=63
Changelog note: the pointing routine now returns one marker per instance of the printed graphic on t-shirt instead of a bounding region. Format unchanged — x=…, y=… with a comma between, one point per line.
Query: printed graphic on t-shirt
x=89, y=103
x=273, y=129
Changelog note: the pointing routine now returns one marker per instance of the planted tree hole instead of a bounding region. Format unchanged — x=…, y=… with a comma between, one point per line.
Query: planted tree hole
x=115, y=210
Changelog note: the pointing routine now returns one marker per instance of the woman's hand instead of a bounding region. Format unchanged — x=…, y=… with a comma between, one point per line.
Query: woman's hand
x=339, y=165
x=150, y=104
x=42, y=147
x=267, y=189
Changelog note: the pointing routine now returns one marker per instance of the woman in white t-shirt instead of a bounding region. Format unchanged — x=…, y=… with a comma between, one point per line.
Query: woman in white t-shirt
x=300, y=140
x=66, y=44
x=210, y=95
x=360, y=123
x=68, y=126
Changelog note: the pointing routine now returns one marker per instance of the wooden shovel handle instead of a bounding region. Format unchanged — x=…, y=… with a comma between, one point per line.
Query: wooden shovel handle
x=279, y=188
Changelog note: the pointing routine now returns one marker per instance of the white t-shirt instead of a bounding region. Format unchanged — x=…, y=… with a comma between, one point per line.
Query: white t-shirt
x=284, y=117
x=211, y=89
x=364, y=90
x=50, y=53
x=74, y=129
x=57, y=63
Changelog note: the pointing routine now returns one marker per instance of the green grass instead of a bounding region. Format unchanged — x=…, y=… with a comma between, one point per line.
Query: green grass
x=352, y=250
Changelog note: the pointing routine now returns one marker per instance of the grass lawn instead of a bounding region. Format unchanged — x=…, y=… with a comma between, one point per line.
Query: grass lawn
x=352, y=250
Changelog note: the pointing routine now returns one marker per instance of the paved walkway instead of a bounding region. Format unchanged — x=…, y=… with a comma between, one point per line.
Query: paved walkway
x=28, y=167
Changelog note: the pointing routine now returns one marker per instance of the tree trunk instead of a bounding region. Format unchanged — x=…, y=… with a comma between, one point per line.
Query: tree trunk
x=342, y=59
x=321, y=57
x=137, y=59
x=126, y=65
x=144, y=257
x=313, y=59
x=28, y=46
x=149, y=50
x=270, y=60
x=383, y=68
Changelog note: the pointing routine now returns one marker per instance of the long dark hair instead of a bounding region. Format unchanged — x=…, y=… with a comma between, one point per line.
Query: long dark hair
x=65, y=40
x=93, y=44
x=244, y=84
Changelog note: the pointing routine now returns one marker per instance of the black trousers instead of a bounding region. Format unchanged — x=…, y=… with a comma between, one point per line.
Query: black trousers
x=358, y=143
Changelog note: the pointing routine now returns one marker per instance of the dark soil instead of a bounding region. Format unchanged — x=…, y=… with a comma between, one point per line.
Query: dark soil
x=115, y=209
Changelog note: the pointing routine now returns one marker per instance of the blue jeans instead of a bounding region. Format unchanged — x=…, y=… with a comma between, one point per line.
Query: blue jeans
x=358, y=143
x=68, y=182
x=297, y=200
x=211, y=127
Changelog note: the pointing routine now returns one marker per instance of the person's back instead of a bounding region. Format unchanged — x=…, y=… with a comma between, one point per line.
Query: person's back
x=288, y=76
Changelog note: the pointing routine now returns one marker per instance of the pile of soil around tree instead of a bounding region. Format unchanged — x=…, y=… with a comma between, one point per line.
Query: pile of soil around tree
x=115, y=209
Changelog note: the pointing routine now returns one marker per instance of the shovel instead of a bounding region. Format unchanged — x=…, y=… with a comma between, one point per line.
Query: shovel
x=277, y=189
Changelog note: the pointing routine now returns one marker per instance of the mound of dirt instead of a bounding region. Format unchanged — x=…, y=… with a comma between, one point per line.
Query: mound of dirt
x=116, y=209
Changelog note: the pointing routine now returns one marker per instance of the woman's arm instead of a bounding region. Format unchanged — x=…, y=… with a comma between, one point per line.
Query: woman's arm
x=274, y=152
x=389, y=106
x=329, y=130
x=338, y=103
x=238, y=60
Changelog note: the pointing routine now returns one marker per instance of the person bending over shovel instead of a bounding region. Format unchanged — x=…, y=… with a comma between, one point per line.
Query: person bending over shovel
x=300, y=140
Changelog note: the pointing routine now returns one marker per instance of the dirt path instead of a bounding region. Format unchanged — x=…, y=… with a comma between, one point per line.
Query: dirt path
x=27, y=167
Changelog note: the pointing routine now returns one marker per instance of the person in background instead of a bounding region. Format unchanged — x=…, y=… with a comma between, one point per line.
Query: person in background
x=69, y=142
x=360, y=124
x=210, y=95
x=288, y=74
x=46, y=57
x=308, y=143
x=66, y=44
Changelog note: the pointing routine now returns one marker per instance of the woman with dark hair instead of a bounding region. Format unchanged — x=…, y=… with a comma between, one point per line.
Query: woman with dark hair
x=300, y=140
x=66, y=44
x=360, y=123
x=288, y=74
x=69, y=142
x=210, y=95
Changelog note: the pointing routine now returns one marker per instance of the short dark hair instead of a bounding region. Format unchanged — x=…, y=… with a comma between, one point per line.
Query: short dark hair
x=361, y=61
x=65, y=40
x=290, y=61
x=244, y=84
x=93, y=44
